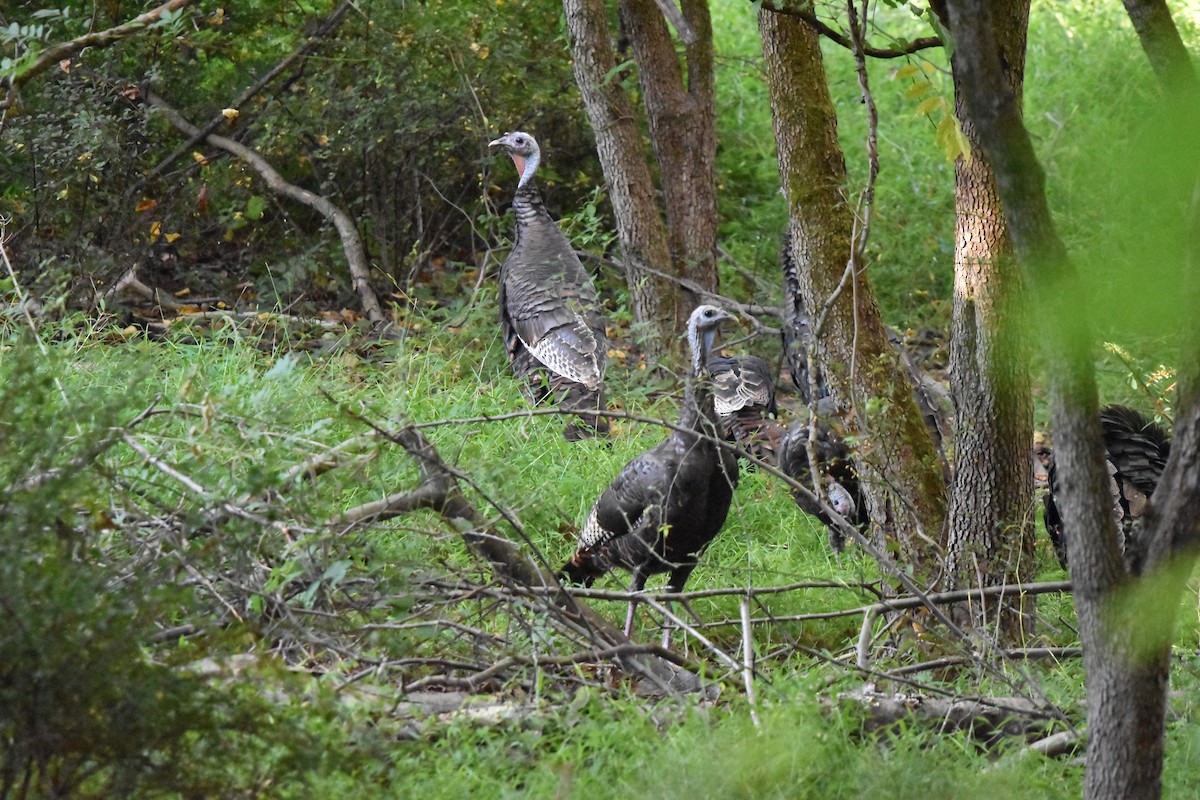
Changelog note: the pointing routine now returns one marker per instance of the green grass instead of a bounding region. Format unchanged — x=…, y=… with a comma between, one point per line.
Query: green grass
x=260, y=413
x=253, y=414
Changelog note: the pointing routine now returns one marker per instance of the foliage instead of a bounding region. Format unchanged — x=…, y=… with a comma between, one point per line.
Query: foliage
x=83, y=711
x=390, y=118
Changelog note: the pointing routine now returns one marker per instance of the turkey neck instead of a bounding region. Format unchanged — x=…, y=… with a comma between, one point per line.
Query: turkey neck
x=528, y=206
x=698, y=413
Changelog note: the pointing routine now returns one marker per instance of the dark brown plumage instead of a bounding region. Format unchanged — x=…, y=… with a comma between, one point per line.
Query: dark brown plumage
x=550, y=314
x=1136, y=451
x=668, y=503
x=836, y=471
x=744, y=399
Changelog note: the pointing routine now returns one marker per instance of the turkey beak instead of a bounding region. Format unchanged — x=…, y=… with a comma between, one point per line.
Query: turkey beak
x=495, y=142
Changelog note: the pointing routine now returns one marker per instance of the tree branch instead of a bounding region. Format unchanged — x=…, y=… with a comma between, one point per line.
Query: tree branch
x=352, y=245
x=839, y=38
x=438, y=489
x=328, y=26
x=56, y=53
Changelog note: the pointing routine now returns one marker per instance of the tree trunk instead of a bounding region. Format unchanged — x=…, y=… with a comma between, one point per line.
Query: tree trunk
x=903, y=480
x=990, y=538
x=1164, y=47
x=682, y=117
x=630, y=185
x=1127, y=671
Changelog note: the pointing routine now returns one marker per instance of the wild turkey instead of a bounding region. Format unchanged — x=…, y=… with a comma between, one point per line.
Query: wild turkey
x=838, y=475
x=668, y=503
x=1136, y=451
x=744, y=399
x=550, y=315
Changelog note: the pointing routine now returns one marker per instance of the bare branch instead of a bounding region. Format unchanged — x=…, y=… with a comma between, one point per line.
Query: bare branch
x=352, y=245
x=914, y=46
x=328, y=26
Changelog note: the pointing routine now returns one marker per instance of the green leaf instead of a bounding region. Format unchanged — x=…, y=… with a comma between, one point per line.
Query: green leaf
x=254, y=207
x=612, y=73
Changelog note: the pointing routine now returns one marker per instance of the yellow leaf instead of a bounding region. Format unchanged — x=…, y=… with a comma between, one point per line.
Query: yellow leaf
x=146, y=205
x=171, y=237
x=230, y=114
x=199, y=158
x=918, y=90
x=183, y=292
x=907, y=71
x=322, y=140
x=155, y=230
x=930, y=104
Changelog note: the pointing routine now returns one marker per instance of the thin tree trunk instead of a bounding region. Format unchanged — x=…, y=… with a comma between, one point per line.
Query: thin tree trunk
x=991, y=529
x=631, y=189
x=1126, y=678
x=904, y=481
x=1164, y=47
x=682, y=117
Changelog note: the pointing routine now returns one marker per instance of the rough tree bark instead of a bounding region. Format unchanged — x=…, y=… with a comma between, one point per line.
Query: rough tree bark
x=631, y=189
x=1127, y=671
x=990, y=539
x=904, y=481
x=681, y=111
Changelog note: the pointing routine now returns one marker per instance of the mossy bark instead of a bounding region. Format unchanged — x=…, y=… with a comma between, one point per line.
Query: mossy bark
x=904, y=483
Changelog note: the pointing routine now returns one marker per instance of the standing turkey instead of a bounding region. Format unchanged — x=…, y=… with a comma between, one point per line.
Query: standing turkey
x=744, y=399
x=1135, y=451
x=550, y=315
x=668, y=503
x=836, y=471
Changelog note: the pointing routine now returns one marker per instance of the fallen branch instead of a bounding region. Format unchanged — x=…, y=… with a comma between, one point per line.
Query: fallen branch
x=930, y=600
x=988, y=720
x=1018, y=653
